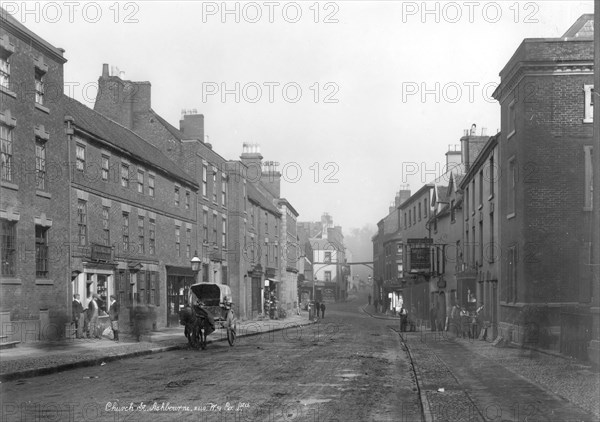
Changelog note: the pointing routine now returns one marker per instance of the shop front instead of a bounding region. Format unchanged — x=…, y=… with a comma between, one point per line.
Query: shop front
x=179, y=281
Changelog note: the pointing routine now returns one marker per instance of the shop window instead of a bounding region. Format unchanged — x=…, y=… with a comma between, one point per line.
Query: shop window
x=6, y=155
x=8, y=243
x=41, y=252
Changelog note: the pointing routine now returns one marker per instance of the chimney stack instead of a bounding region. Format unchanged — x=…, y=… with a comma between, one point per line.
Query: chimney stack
x=192, y=126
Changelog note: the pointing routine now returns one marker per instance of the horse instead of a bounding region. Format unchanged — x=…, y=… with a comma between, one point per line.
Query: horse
x=197, y=325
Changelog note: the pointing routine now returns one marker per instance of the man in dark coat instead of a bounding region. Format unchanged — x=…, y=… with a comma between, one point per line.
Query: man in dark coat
x=113, y=314
x=317, y=308
x=323, y=310
x=77, y=310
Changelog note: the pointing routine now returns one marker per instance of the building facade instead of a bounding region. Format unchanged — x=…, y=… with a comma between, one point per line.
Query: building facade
x=545, y=211
x=35, y=291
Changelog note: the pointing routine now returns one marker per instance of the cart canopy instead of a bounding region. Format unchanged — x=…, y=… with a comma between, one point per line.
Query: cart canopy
x=211, y=294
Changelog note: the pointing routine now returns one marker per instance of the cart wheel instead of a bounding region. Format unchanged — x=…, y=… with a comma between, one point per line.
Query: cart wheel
x=231, y=326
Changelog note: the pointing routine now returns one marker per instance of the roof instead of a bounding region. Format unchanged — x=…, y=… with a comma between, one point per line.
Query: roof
x=325, y=244
x=258, y=198
x=177, y=134
x=582, y=28
x=124, y=139
x=16, y=27
x=283, y=201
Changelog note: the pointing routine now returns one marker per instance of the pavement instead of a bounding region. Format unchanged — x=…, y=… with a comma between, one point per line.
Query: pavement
x=41, y=358
x=472, y=380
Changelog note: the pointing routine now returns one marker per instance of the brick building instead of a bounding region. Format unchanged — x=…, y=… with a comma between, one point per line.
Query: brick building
x=133, y=216
x=34, y=280
x=545, y=211
x=129, y=103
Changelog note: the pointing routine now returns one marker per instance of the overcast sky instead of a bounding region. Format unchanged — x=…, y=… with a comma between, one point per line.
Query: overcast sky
x=352, y=105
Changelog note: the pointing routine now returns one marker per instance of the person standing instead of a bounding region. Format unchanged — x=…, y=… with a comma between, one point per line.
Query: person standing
x=317, y=308
x=323, y=310
x=77, y=310
x=113, y=314
x=433, y=318
x=92, y=315
x=403, y=319
x=369, y=299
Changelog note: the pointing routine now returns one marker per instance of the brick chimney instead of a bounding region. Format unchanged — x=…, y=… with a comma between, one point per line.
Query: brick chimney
x=453, y=157
x=192, y=126
x=252, y=158
x=120, y=99
x=401, y=196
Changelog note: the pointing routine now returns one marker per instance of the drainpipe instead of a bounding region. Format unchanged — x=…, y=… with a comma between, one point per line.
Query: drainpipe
x=69, y=132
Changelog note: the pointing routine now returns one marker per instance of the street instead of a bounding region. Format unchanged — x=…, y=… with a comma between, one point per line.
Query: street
x=348, y=367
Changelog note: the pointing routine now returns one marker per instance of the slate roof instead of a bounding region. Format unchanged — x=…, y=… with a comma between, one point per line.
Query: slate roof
x=258, y=198
x=123, y=139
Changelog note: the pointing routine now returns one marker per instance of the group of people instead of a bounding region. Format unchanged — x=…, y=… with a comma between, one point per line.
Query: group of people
x=320, y=307
x=86, y=320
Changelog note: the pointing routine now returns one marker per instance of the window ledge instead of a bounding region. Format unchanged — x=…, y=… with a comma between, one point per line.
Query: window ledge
x=44, y=282
x=42, y=108
x=511, y=216
x=588, y=209
x=491, y=197
x=43, y=194
x=9, y=280
x=480, y=207
x=588, y=120
x=8, y=92
x=511, y=134
x=9, y=185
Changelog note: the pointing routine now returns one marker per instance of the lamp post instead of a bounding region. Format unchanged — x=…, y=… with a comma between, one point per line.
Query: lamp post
x=195, y=261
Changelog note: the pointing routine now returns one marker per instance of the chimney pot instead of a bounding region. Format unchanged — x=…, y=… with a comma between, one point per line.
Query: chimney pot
x=105, y=70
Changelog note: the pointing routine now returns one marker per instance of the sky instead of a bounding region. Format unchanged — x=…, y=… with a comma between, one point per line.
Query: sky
x=353, y=99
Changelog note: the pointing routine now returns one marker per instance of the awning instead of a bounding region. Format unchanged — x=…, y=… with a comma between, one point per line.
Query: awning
x=269, y=281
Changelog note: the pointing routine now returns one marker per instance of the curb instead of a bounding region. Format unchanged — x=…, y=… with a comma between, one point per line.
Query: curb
x=47, y=370
x=379, y=317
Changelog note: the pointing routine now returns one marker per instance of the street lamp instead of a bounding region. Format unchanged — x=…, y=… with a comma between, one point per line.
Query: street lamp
x=195, y=261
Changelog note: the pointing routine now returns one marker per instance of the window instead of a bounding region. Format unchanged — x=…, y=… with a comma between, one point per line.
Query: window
x=178, y=240
x=480, y=243
x=140, y=181
x=410, y=217
x=511, y=274
x=151, y=185
x=40, y=163
x=512, y=119
x=453, y=211
x=492, y=175
x=105, y=167
x=466, y=202
x=214, y=185
x=473, y=195
x=176, y=196
x=266, y=223
x=589, y=179
x=4, y=69
x=425, y=206
x=82, y=222
x=152, y=236
x=187, y=200
x=8, y=245
x=80, y=157
x=588, y=116
x=512, y=187
x=6, y=155
x=125, y=175
x=125, y=231
x=419, y=211
x=224, y=233
x=106, y=226
x=491, y=249
x=205, y=225
x=328, y=256
x=188, y=243
x=415, y=214
x=223, y=191
x=39, y=86
x=204, y=179
x=405, y=220
x=481, y=188
x=214, y=228
x=327, y=275
x=141, y=240
x=41, y=252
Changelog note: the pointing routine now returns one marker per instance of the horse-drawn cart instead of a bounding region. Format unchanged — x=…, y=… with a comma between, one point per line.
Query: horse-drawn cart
x=209, y=304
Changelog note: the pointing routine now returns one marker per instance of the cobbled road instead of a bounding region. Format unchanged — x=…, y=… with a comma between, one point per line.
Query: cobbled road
x=348, y=367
